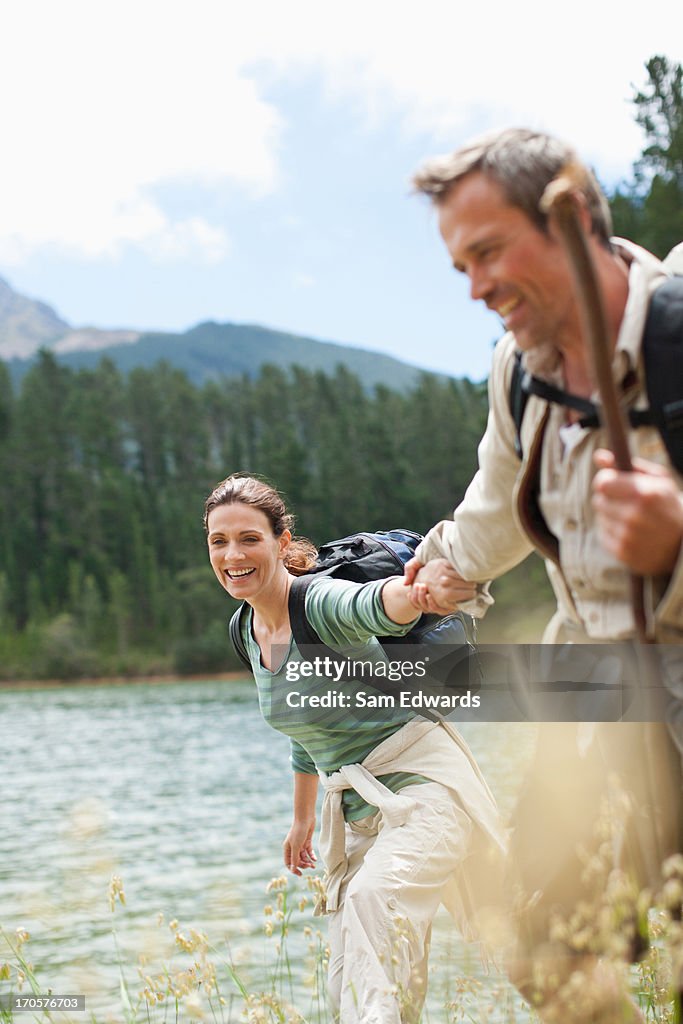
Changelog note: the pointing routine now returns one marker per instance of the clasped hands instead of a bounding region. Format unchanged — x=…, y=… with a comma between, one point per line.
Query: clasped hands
x=639, y=518
x=436, y=587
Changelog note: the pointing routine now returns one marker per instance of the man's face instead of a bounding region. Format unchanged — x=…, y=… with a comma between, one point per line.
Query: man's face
x=518, y=271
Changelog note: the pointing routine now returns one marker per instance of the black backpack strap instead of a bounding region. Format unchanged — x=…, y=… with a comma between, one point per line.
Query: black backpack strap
x=302, y=631
x=663, y=359
x=523, y=384
x=536, y=386
x=591, y=411
x=517, y=400
x=235, y=628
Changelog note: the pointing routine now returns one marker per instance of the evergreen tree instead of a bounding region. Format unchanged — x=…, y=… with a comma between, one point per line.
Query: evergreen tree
x=650, y=209
x=102, y=480
x=8, y=579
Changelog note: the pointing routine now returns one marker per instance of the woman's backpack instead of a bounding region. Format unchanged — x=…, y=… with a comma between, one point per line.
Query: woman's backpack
x=447, y=642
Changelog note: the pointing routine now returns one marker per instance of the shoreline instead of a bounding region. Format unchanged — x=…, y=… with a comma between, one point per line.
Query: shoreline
x=154, y=680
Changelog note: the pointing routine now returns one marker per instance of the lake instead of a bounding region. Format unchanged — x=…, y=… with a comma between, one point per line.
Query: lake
x=184, y=792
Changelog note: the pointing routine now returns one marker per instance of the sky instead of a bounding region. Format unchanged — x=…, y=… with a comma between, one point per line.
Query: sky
x=168, y=163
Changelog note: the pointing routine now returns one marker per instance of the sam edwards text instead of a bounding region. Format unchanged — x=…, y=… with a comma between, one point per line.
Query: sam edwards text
x=401, y=699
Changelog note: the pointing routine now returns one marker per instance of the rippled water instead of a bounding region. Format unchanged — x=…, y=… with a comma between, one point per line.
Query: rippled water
x=183, y=791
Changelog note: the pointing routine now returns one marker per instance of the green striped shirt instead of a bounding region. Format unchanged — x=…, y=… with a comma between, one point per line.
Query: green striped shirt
x=347, y=617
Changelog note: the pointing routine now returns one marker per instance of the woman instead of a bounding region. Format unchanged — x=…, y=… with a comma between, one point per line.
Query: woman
x=404, y=805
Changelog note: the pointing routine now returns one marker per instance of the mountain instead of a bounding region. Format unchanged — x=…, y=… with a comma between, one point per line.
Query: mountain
x=26, y=324
x=208, y=351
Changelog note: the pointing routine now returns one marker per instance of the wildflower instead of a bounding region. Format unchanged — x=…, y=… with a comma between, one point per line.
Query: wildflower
x=5, y=971
x=268, y=928
x=267, y=910
x=183, y=942
x=196, y=941
x=21, y=936
x=116, y=892
x=277, y=883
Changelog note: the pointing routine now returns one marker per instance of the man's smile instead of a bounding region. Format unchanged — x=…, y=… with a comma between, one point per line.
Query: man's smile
x=505, y=308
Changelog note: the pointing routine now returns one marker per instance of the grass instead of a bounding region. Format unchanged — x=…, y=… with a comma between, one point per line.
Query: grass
x=196, y=980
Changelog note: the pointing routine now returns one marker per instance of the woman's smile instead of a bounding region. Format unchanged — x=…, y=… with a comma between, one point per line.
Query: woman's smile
x=238, y=574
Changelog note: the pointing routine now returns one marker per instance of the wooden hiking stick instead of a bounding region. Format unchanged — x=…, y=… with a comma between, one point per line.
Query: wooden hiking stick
x=559, y=202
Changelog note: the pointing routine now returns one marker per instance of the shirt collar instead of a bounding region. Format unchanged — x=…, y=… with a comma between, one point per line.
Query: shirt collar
x=645, y=274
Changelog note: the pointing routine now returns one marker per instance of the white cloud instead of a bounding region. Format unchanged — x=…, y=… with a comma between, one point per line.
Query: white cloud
x=105, y=101
x=193, y=236
x=455, y=69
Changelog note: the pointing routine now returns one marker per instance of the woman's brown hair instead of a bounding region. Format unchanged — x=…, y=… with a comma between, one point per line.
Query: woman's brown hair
x=239, y=488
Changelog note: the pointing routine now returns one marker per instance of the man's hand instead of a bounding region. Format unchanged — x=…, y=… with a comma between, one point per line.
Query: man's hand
x=639, y=514
x=436, y=587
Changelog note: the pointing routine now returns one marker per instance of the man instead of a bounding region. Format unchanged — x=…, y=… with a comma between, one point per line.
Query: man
x=564, y=498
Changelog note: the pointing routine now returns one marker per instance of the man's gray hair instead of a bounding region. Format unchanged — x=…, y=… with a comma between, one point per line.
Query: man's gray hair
x=522, y=162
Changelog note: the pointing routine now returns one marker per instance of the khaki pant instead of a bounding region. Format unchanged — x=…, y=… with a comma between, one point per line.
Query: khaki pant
x=570, y=787
x=379, y=937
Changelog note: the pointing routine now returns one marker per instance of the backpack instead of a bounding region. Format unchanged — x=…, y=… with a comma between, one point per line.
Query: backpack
x=663, y=359
x=449, y=641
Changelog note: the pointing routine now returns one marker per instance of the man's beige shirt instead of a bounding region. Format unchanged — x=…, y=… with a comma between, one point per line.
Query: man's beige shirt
x=489, y=532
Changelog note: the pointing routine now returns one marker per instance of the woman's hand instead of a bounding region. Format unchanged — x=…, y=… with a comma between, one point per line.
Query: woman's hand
x=297, y=848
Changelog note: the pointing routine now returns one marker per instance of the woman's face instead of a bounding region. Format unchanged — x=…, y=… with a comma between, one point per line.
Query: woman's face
x=245, y=554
